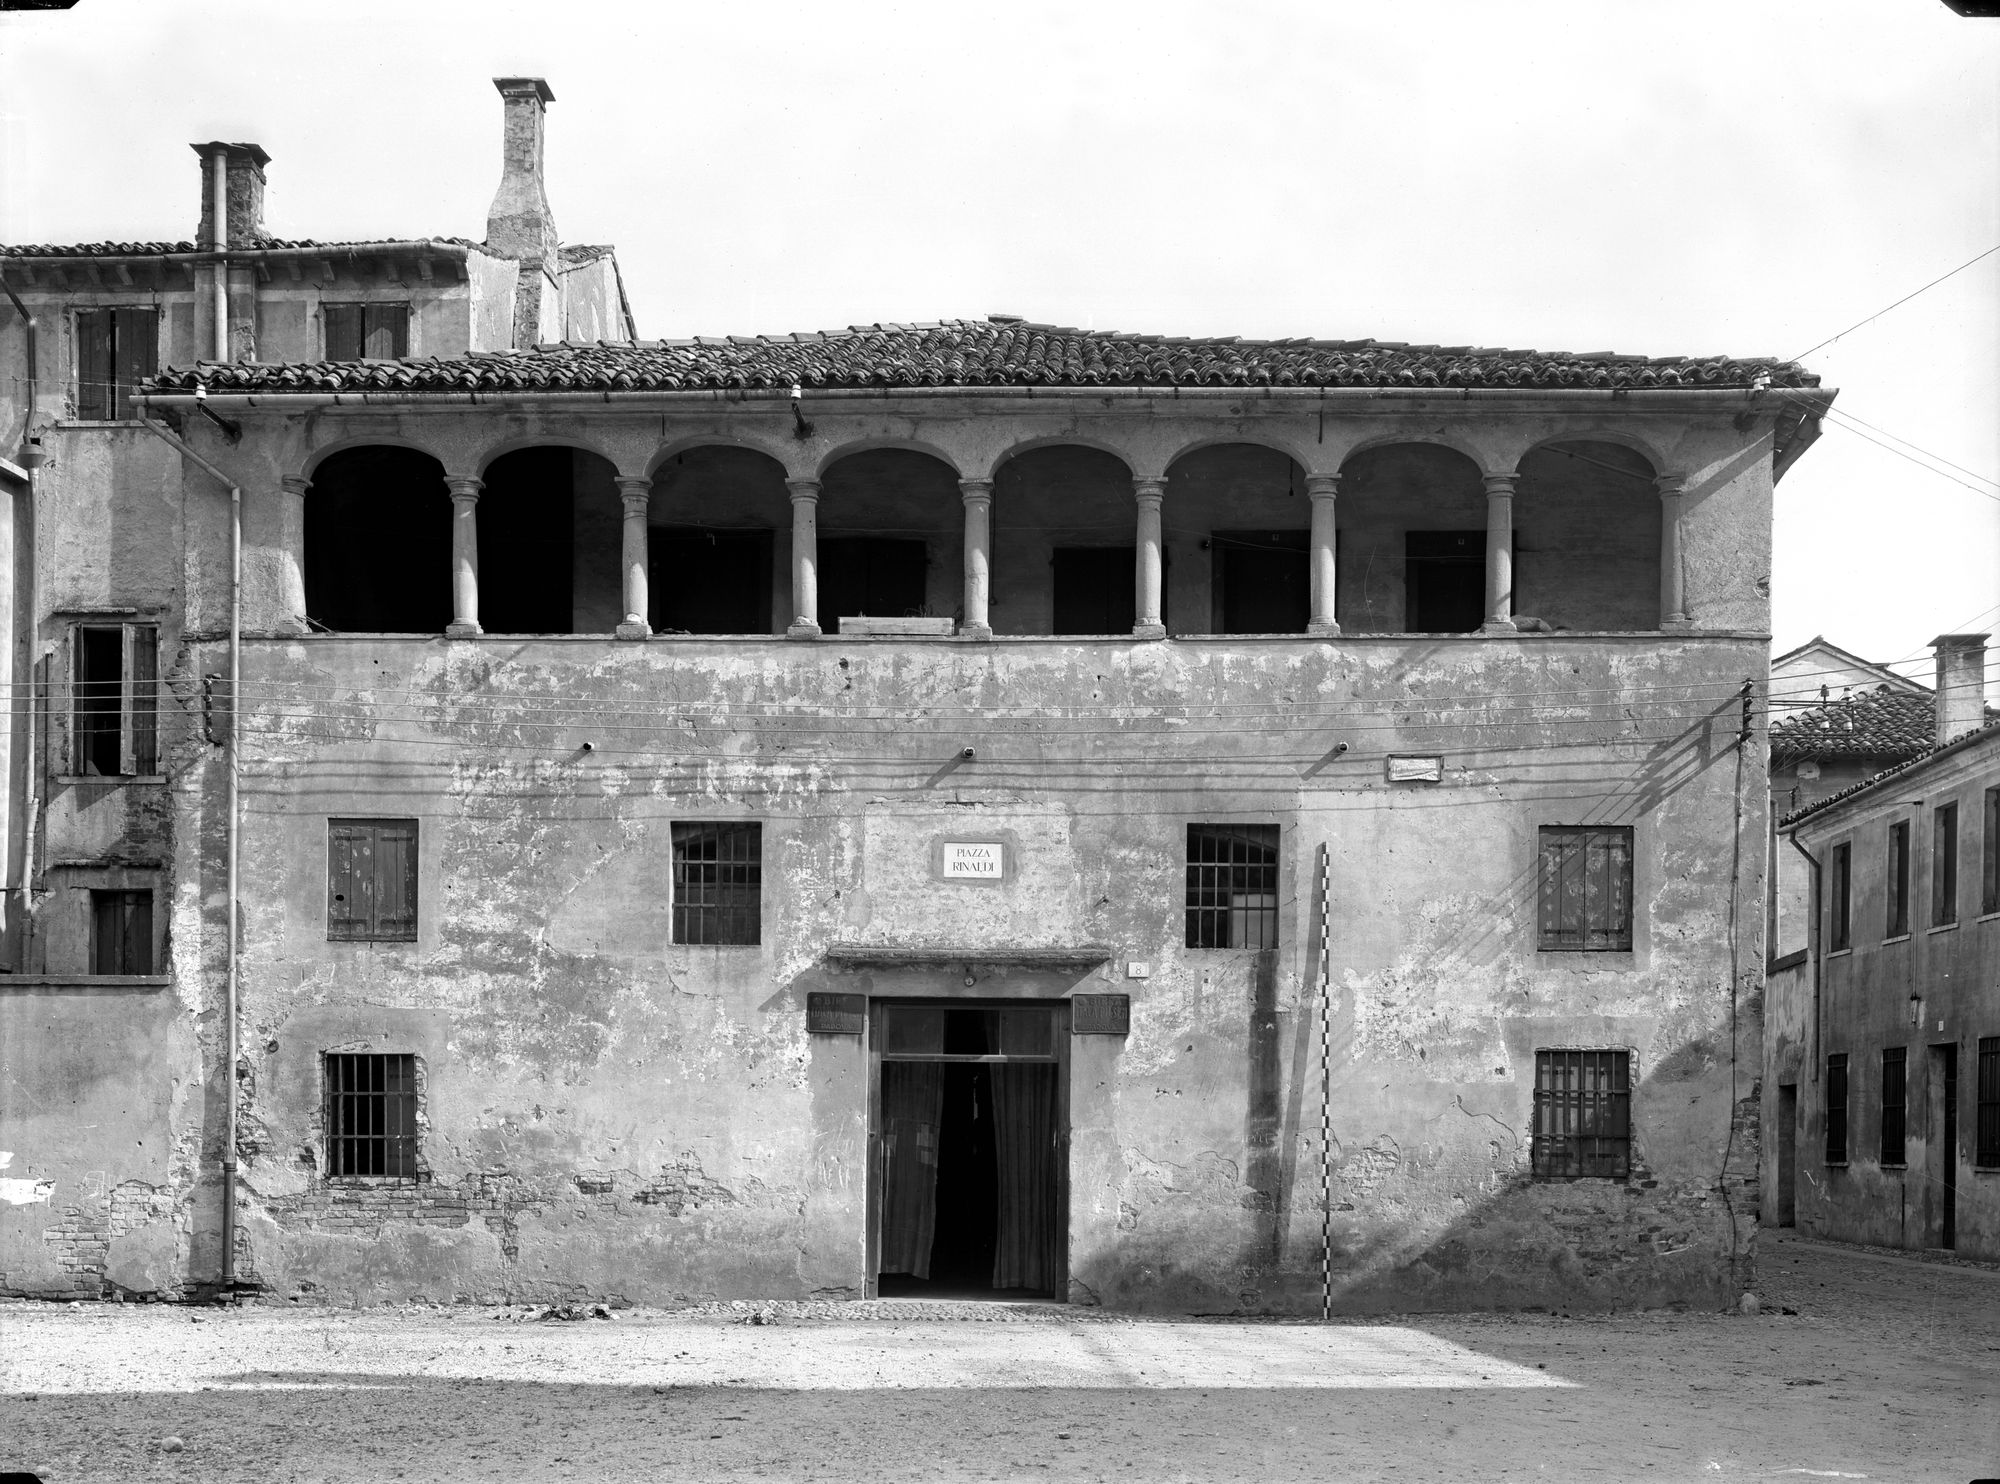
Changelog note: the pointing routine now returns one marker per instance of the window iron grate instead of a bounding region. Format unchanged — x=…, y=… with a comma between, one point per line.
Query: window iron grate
x=1583, y=1114
x=1232, y=886
x=371, y=1114
x=718, y=883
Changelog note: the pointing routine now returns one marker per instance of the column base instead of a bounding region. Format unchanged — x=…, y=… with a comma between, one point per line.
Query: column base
x=462, y=631
x=1149, y=631
x=975, y=631
x=629, y=630
x=1498, y=626
x=1676, y=625
x=1327, y=630
x=803, y=630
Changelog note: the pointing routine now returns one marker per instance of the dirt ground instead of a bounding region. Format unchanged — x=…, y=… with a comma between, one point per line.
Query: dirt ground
x=1889, y=1370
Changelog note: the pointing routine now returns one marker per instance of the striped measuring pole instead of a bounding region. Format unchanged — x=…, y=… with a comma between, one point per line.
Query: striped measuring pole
x=1325, y=1086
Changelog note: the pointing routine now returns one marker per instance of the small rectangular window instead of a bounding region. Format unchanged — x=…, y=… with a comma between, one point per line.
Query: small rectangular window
x=121, y=932
x=371, y=1114
x=1583, y=1115
x=1944, y=865
x=1839, y=896
x=718, y=883
x=116, y=349
x=114, y=700
x=1897, y=881
x=1892, y=1105
x=1232, y=886
x=1836, y=1109
x=1989, y=864
x=1586, y=888
x=371, y=880
x=1986, y=1140
x=366, y=332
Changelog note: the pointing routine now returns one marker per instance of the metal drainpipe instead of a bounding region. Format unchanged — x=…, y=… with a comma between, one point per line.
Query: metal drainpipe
x=31, y=460
x=218, y=193
x=230, y=980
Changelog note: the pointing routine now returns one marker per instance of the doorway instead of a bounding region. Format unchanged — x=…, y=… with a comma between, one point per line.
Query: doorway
x=1944, y=1148
x=1788, y=1154
x=970, y=1144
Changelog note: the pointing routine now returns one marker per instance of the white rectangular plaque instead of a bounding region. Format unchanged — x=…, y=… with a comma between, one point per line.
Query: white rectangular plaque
x=974, y=860
x=1416, y=769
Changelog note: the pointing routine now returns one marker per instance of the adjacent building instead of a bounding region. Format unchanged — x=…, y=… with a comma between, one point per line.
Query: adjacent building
x=966, y=807
x=1882, y=1109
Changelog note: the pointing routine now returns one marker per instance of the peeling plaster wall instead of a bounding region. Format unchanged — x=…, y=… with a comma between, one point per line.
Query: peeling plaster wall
x=607, y=1113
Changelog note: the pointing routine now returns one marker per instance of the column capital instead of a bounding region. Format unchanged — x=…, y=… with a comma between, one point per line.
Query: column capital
x=464, y=486
x=1322, y=486
x=1150, y=490
x=975, y=489
x=1500, y=484
x=1670, y=485
x=803, y=489
x=634, y=484
x=292, y=485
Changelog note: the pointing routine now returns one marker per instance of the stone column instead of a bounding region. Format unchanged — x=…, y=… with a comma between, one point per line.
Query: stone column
x=1673, y=597
x=291, y=552
x=978, y=497
x=637, y=493
x=1148, y=622
x=1499, y=554
x=805, y=558
x=1322, y=489
x=464, y=554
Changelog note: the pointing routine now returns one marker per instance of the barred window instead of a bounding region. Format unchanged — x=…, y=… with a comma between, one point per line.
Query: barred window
x=114, y=699
x=1944, y=865
x=1232, y=886
x=1839, y=896
x=371, y=880
x=1892, y=1105
x=1583, y=1114
x=1836, y=1109
x=718, y=883
x=1986, y=1133
x=371, y=1114
x=1586, y=888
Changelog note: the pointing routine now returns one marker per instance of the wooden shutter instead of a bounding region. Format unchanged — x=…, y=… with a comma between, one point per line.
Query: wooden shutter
x=1586, y=888
x=342, y=324
x=385, y=331
x=93, y=364
x=135, y=345
x=395, y=890
x=142, y=699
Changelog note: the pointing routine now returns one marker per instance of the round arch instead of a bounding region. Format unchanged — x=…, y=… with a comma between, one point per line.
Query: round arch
x=492, y=455
x=1478, y=457
x=876, y=445
x=378, y=540
x=1616, y=438
x=682, y=446
x=1230, y=440
x=318, y=457
x=1064, y=440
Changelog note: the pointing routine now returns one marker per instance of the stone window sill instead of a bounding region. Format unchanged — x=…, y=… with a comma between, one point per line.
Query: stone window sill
x=1888, y=1166
x=1899, y=938
x=112, y=778
x=1944, y=927
x=1844, y=952
x=1993, y=916
x=85, y=981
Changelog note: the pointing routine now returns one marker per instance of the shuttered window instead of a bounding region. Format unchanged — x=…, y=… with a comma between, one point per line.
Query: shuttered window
x=1989, y=863
x=1897, y=882
x=371, y=880
x=1583, y=1114
x=1586, y=887
x=1986, y=1133
x=1836, y=1109
x=1839, y=893
x=1893, y=1066
x=114, y=700
x=1944, y=865
x=121, y=932
x=366, y=332
x=116, y=349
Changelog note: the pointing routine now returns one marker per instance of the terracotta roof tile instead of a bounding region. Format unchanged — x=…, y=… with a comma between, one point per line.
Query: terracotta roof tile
x=1978, y=737
x=165, y=249
x=1882, y=723
x=982, y=353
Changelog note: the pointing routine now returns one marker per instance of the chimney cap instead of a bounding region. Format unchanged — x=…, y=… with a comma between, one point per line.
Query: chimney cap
x=255, y=152
x=514, y=87
x=1959, y=641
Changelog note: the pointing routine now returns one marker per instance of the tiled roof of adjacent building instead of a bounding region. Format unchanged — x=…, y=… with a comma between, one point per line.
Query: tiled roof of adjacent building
x=1885, y=724
x=1987, y=733
x=169, y=249
x=965, y=353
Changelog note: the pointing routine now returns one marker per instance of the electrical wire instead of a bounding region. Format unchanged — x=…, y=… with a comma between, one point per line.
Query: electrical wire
x=1899, y=303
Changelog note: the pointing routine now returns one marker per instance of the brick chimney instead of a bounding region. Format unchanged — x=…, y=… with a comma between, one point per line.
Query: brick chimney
x=519, y=224
x=243, y=167
x=1961, y=684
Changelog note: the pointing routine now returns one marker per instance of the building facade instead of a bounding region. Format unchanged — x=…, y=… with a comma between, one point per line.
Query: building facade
x=1883, y=1037
x=973, y=807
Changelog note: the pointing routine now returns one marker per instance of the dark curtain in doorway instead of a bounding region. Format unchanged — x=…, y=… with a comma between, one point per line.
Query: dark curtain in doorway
x=912, y=1108
x=1026, y=1254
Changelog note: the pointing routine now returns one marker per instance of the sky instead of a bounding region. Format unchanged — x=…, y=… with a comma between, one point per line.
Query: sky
x=1681, y=179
